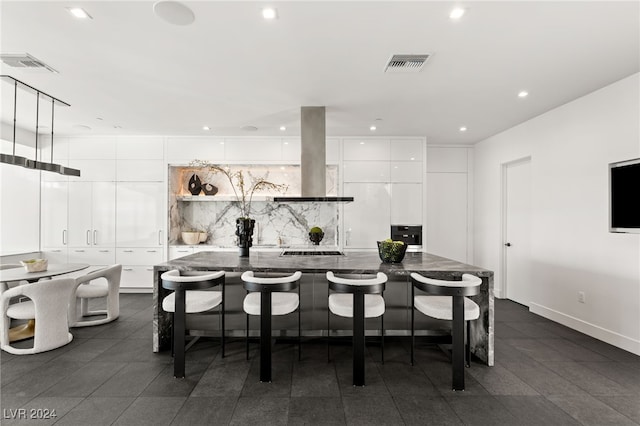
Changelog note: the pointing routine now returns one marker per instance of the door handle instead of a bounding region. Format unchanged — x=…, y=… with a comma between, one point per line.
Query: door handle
x=160, y=237
x=95, y=238
x=64, y=237
x=88, y=237
x=507, y=244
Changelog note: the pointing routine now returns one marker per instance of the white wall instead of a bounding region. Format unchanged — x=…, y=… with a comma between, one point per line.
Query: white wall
x=572, y=250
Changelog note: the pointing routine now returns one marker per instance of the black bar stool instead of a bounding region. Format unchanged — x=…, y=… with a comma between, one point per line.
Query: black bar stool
x=267, y=297
x=190, y=297
x=357, y=299
x=447, y=301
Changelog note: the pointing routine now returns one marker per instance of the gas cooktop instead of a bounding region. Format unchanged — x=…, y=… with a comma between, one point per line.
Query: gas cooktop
x=312, y=253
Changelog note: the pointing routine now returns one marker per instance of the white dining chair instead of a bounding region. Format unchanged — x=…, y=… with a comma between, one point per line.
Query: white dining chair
x=103, y=283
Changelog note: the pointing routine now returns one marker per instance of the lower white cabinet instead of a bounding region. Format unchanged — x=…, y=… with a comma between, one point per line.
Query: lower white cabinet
x=56, y=255
x=137, y=266
x=93, y=256
x=179, y=251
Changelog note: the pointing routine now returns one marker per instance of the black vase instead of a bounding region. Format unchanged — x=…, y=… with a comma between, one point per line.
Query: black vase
x=195, y=185
x=209, y=189
x=244, y=232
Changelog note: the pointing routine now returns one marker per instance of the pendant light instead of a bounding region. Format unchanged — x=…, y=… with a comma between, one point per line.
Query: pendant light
x=17, y=160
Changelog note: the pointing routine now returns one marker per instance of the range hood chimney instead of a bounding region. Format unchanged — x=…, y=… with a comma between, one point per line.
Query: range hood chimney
x=313, y=155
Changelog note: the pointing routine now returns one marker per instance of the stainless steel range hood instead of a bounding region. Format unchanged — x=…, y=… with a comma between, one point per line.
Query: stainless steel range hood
x=313, y=164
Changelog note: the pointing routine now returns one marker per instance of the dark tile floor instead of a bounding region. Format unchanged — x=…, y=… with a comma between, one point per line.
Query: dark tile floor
x=545, y=374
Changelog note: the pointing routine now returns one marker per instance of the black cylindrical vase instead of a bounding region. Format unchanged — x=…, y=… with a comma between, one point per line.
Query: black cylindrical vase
x=244, y=232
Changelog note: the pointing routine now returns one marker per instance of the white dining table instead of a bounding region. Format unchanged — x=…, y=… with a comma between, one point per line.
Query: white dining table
x=20, y=274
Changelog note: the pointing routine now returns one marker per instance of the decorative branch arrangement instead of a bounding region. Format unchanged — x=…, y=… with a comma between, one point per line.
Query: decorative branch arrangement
x=243, y=190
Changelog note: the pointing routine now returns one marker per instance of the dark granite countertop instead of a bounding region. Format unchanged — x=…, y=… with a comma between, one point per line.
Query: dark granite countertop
x=359, y=262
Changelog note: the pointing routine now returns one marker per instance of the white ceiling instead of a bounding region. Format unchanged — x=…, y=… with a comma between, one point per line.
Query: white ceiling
x=126, y=67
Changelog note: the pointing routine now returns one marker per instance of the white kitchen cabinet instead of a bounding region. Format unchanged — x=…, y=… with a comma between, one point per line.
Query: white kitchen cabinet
x=255, y=150
x=366, y=171
x=182, y=150
x=447, y=209
x=406, y=171
x=406, y=149
x=94, y=256
x=179, y=251
x=140, y=148
x=406, y=204
x=367, y=219
x=56, y=255
x=140, y=170
x=53, y=217
x=92, y=214
x=91, y=148
x=291, y=151
x=141, y=211
x=451, y=160
x=94, y=170
x=137, y=266
x=366, y=149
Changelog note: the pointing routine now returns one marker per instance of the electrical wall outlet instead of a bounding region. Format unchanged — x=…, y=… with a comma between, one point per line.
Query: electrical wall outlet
x=581, y=297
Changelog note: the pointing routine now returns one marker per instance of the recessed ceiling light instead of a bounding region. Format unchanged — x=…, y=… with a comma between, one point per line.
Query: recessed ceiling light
x=463, y=129
x=372, y=128
x=173, y=12
x=283, y=128
x=361, y=143
x=269, y=13
x=456, y=13
x=206, y=128
x=79, y=13
x=523, y=94
x=413, y=158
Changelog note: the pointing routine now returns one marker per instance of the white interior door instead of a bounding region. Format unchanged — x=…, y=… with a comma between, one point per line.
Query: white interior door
x=517, y=243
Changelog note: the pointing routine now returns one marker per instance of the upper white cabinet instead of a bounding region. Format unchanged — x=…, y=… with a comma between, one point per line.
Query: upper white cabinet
x=367, y=219
x=406, y=149
x=366, y=171
x=449, y=160
x=406, y=171
x=406, y=204
x=291, y=151
x=91, y=147
x=365, y=149
x=258, y=150
x=140, y=211
x=94, y=170
x=140, y=170
x=332, y=151
x=182, y=150
x=140, y=148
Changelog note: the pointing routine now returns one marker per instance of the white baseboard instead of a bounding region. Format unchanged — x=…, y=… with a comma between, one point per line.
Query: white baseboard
x=135, y=290
x=608, y=336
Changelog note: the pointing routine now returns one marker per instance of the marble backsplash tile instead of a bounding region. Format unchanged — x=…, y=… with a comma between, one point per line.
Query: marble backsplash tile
x=284, y=224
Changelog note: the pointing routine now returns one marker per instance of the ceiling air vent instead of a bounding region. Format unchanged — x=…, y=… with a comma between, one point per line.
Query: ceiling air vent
x=24, y=60
x=406, y=63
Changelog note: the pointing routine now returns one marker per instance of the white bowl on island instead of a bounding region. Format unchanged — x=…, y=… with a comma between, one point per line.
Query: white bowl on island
x=35, y=265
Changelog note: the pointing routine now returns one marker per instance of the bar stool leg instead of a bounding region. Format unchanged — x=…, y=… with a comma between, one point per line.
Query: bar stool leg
x=178, y=333
x=468, y=345
x=247, y=336
x=358, y=339
x=413, y=316
x=457, y=328
x=382, y=336
x=265, y=336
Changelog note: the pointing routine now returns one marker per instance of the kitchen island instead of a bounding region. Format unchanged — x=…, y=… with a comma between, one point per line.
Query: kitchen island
x=313, y=292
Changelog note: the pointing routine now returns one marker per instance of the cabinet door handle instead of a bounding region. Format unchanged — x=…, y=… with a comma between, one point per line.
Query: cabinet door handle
x=127, y=269
x=88, y=237
x=56, y=251
x=128, y=251
x=79, y=251
x=149, y=269
x=64, y=237
x=152, y=251
x=160, y=237
x=103, y=251
x=95, y=237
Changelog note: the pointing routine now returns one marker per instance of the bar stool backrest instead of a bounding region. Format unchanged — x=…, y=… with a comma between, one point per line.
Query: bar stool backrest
x=468, y=286
x=273, y=284
x=347, y=285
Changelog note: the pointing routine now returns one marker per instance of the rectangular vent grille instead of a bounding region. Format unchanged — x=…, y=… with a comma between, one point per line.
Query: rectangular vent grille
x=406, y=63
x=24, y=60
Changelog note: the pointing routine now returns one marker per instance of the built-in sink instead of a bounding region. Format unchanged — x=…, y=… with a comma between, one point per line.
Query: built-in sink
x=312, y=253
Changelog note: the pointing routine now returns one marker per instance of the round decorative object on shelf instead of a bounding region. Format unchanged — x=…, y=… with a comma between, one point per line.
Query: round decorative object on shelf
x=209, y=189
x=316, y=235
x=195, y=185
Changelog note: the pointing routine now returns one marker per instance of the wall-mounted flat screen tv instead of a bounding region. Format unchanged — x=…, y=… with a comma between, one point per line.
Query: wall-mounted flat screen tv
x=624, y=196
